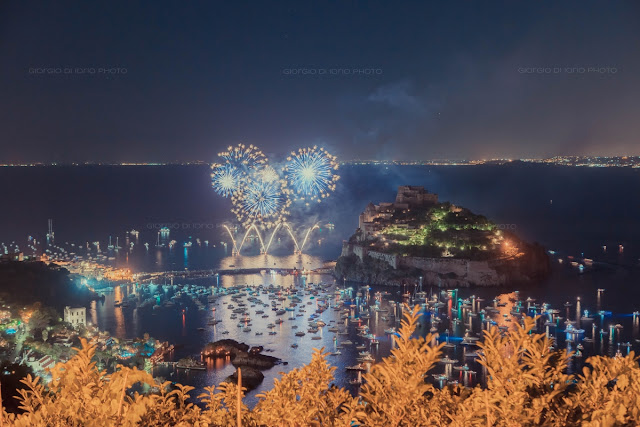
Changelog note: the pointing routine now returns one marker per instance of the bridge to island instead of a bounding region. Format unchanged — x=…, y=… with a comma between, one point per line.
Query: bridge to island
x=202, y=274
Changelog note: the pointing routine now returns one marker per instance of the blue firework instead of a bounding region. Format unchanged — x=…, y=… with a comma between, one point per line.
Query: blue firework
x=263, y=198
x=238, y=162
x=225, y=179
x=311, y=173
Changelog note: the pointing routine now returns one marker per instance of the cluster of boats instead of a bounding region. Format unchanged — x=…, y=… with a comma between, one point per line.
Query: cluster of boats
x=459, y=322
x=269, y=307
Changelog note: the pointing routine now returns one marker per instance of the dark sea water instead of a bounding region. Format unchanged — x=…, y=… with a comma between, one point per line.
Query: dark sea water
x=573, y=211
x=568, y=209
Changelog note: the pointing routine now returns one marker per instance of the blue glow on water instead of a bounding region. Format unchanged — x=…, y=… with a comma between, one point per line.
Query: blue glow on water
x=451, y=338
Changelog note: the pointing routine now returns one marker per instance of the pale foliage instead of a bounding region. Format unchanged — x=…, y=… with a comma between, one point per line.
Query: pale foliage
x=527, y=385
x=80, y=394
x=303, y=397
x=395, y=390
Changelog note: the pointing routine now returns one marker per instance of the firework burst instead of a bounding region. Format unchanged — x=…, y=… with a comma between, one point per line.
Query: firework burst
x=262, y=195
x=310, y=172
x=225, y=179
x=263, y=199
x=239, y=161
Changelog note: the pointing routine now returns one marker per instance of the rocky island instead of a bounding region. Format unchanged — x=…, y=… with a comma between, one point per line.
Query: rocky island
x=250, y=359
x=417, y=238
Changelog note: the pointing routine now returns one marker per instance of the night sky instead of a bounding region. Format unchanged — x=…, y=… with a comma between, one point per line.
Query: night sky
x=366, y=79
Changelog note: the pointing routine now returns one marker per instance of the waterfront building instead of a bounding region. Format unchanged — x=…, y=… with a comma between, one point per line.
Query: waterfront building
x=40, y=364
x=75, y=316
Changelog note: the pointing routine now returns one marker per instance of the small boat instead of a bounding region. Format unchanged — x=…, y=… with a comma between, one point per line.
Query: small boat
x=358, y=367
x=191, y=364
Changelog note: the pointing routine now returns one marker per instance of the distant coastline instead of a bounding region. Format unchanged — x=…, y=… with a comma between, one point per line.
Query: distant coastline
x=577, y=161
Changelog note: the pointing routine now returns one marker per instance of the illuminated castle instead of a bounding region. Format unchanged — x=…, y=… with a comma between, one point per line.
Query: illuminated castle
x=408, y=197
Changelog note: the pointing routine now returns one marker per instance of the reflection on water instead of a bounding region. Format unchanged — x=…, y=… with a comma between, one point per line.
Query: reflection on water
x=184, y=324
x=93, y=312
x=117, y=312
x=504, y=304
x=299, y=261
x=204, y=257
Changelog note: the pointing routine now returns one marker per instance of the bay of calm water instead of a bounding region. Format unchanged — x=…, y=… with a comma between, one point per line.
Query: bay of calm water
x=574, y=211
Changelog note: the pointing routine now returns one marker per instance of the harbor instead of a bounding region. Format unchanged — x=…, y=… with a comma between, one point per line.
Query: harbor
x=288, y=316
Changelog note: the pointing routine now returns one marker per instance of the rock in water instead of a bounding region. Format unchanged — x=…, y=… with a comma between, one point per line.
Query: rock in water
x=251, y=378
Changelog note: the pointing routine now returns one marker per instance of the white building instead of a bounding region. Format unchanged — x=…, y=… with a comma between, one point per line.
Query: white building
x=75, y=316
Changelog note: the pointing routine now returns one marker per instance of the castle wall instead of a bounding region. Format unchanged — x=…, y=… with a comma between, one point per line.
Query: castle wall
x=390, y=259
x=478, y=273
x=445, y=272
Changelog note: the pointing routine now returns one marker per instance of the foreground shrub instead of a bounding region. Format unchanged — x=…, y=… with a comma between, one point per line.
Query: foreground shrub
x=527, y=385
